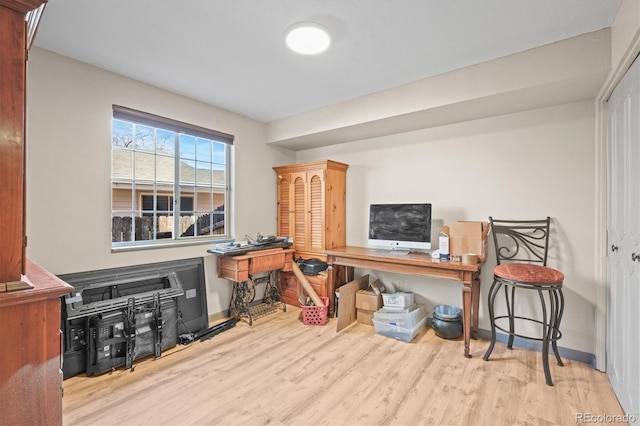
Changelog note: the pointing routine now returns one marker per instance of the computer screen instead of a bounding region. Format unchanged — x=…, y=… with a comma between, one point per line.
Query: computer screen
x=400, y=226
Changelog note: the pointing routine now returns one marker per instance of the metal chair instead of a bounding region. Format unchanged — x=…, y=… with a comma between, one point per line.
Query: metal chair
x=521, y=254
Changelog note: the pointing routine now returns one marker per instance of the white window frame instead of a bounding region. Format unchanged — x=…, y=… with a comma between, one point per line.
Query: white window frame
x=218, y=183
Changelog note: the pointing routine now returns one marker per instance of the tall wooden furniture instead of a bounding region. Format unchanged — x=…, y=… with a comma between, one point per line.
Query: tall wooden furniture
x=30, y=351
x=311, y=210
x=312, y=206
x=16, y=33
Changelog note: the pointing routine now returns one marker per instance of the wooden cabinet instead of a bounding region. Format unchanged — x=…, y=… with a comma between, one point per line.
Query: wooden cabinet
x=291, y=288
x=30, y=351
x=311, y=210
x=30, y=343
x=312, y=206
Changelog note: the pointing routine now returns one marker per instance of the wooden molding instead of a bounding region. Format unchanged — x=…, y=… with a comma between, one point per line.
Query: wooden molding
x=15, y=286
x=33, y=19
x=22, y=6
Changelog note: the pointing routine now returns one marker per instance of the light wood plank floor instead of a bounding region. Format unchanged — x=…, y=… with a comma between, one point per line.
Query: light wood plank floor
x=281, y=372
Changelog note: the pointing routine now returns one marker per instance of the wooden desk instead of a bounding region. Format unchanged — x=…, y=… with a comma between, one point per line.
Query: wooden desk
x=241, y=269
x=413, y=264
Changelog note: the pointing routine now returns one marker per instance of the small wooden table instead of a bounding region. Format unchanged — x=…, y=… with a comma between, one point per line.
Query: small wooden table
x=412, y=264
x=241, y=270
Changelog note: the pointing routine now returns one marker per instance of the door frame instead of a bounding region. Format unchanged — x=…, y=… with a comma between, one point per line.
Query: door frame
x=600, y=232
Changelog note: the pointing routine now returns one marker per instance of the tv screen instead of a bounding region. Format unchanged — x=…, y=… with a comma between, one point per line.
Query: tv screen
x=400, y=226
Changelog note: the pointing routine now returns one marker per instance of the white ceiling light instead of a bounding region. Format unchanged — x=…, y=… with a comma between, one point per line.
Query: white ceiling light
x=308, y=38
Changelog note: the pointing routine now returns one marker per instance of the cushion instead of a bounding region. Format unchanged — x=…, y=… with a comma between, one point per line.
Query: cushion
x=528, y=273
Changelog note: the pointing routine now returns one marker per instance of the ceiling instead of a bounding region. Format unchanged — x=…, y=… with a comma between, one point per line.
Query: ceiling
x=232, y=54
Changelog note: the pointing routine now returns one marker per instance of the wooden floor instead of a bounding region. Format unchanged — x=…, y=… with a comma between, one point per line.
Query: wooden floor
x=281, y=372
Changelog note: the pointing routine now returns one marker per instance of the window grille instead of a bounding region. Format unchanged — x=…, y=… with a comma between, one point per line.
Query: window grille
x=169, y=180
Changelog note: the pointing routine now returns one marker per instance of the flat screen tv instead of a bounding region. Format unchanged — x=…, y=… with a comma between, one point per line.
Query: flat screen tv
x=400, y=227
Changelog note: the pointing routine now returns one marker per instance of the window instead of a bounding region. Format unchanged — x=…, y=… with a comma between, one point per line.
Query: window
x=169, y=180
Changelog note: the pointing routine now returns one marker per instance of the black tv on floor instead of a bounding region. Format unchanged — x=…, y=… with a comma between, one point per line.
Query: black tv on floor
x=107, y=292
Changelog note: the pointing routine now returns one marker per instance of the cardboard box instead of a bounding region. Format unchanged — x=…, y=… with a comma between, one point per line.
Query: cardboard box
x=468, y=237
x=367, y=300
x=364, y=317
x=377, y=287
x=347, y=301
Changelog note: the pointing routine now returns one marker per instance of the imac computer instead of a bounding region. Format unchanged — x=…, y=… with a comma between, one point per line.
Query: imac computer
x=400, y=227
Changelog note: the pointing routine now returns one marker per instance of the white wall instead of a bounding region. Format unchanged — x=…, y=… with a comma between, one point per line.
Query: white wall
x=69, y=168
x=524, y=165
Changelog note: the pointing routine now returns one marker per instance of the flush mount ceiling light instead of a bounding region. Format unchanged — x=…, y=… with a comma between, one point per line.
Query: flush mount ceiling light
x=308, y=38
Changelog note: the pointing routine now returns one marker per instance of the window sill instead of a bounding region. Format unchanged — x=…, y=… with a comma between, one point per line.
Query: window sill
x=167, y=244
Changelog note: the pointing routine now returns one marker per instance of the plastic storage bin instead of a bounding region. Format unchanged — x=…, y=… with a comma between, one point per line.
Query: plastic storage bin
x=397, y=300
x=385, y=310
x=404, y=319
x=403, y=326
x=315, y=315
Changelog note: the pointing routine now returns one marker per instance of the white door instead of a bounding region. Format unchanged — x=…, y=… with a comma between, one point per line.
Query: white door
x=623, y=239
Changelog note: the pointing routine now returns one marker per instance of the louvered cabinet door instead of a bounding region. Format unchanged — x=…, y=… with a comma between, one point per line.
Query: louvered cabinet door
x=299, y=225
x=285, y=209
x=315, y=215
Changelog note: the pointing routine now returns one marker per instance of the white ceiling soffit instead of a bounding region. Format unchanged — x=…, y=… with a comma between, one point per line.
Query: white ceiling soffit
x=566, y=71
x=232, y=54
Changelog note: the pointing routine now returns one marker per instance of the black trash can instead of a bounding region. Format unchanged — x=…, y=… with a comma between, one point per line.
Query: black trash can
x=447, y=321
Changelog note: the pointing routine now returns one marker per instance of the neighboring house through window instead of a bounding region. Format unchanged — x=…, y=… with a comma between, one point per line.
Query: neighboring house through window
x=169, y=180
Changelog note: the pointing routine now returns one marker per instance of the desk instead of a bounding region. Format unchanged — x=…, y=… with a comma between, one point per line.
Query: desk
x=413, y=264
x=241, y=269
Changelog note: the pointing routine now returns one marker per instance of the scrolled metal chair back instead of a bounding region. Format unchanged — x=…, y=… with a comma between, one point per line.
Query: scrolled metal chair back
x=521, y=240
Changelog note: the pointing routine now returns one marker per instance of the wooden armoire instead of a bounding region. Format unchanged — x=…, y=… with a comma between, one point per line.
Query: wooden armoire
x=30, y=341
x=311, y=210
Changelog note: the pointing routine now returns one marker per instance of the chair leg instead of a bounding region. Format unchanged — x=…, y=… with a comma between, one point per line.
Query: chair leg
x=546, y=332
x=493, y=291
x=556, y=318
x=511, y=306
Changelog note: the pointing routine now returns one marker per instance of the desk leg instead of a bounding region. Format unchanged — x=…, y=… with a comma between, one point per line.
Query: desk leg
x=469, y=309
x=466, y=329
x=331, y=285
x=336, y=276
x=475, y=300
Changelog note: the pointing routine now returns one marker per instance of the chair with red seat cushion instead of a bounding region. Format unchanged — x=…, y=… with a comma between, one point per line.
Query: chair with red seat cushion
x=521, y=254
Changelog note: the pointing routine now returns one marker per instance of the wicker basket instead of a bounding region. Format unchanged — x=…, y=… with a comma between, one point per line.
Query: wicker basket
x=315, y=315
